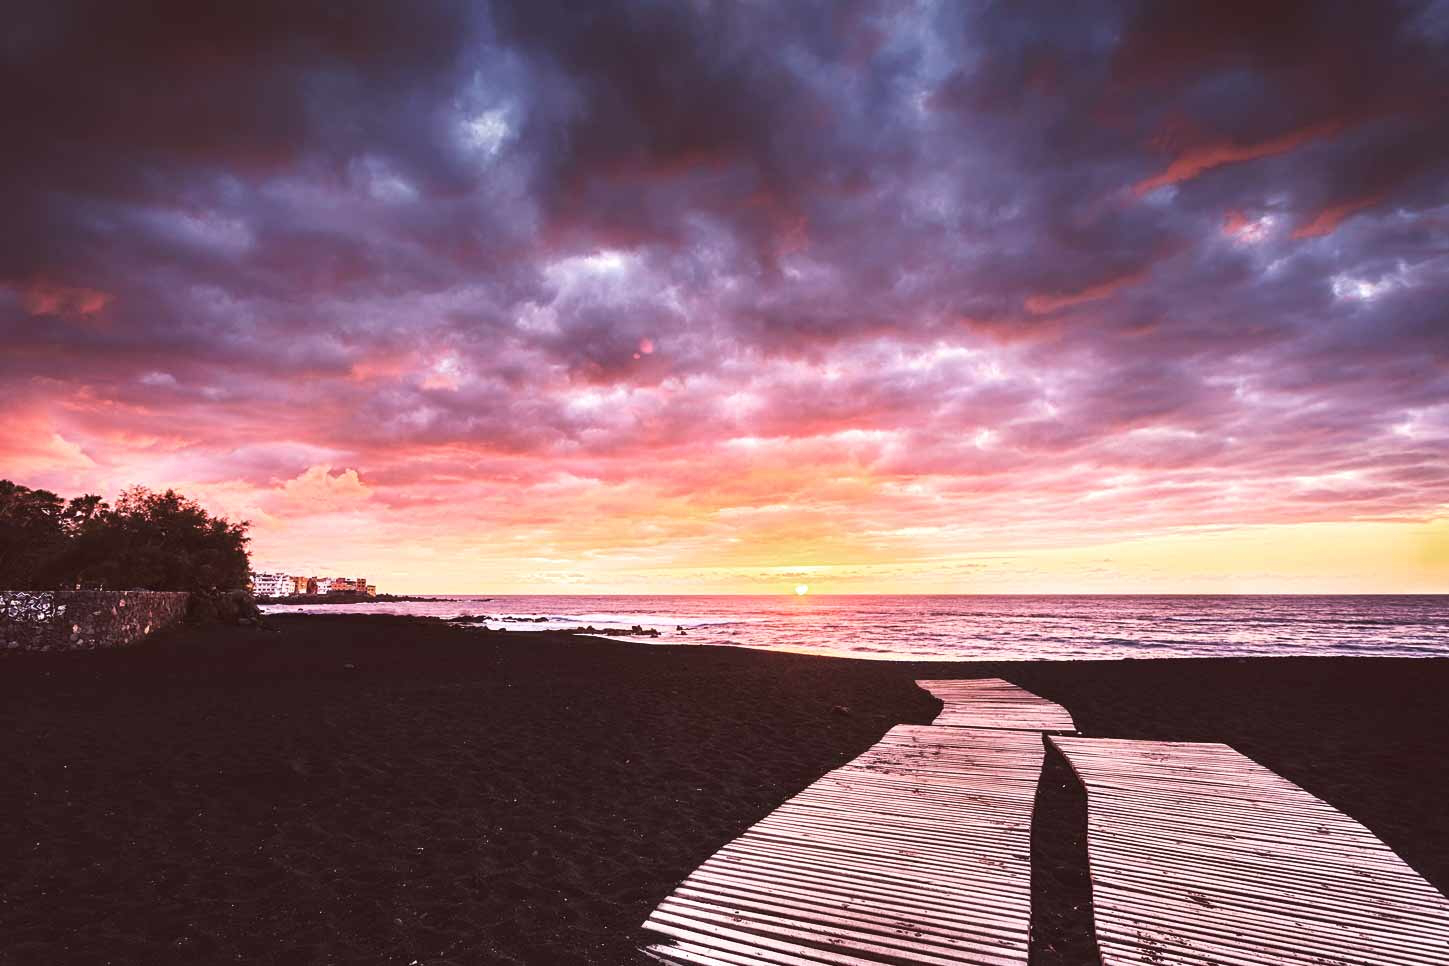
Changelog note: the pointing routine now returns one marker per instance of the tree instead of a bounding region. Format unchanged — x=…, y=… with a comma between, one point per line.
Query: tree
x=162, y=541
x=148, y=541
x=80, y=511
x=32, y=536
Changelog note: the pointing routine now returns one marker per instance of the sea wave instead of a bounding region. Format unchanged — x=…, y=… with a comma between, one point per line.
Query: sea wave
x=978, y=627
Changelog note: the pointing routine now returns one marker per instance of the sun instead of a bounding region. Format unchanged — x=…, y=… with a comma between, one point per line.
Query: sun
x=802, y=589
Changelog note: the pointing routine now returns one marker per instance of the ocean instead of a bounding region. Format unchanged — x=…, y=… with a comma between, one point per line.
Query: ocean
x=967, y=628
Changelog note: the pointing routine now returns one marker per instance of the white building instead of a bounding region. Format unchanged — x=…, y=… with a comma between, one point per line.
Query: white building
x=272, y=585
x=324, y=584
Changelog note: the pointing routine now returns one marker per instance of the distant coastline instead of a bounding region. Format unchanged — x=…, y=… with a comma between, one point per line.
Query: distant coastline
x=345, y=597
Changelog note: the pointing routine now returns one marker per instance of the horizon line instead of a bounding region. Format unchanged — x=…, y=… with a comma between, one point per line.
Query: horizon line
x=794, y=596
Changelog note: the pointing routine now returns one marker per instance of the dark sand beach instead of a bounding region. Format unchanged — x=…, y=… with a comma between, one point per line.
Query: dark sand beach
x=345, y=789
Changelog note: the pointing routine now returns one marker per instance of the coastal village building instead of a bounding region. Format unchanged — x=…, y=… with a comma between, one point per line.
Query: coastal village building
x=268, y=584
x=271, y=585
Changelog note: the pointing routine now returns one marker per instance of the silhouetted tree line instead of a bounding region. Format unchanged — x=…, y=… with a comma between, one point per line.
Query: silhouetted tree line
x=147, y=541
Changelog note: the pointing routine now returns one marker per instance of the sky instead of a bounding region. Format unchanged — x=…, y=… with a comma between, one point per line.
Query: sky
x=706, y=297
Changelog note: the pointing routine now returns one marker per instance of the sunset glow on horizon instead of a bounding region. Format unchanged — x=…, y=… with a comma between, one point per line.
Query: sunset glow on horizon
x=695, y=298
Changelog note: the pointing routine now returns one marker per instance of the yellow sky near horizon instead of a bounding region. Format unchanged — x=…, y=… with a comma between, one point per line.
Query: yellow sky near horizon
x=1332, y=558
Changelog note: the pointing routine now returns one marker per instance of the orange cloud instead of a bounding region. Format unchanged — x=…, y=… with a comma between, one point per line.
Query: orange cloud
x=1043, y=304
x=1203, y=158
x=318, y=490
x=383, y=367
x=45, y=298
x=1329, y=218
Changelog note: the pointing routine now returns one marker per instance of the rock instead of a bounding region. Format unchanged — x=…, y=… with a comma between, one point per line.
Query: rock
x=227, y=607
x=227, y=610
x=201, y=609
x=245, y=606
x=841, y=710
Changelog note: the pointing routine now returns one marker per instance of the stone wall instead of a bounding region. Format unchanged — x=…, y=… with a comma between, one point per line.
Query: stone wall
x=74, y=620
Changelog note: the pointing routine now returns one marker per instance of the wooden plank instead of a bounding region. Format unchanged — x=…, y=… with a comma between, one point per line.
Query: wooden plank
x=994, y=703
x=915, y=852
x=1201, y=856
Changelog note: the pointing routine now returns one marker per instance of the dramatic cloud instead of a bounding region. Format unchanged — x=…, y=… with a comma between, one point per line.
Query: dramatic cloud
x=695, y=290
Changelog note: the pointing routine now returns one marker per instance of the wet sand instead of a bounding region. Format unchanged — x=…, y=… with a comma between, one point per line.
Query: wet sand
x=228, y=795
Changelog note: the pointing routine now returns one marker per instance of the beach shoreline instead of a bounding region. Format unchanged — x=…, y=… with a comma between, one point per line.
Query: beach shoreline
x=363, y=789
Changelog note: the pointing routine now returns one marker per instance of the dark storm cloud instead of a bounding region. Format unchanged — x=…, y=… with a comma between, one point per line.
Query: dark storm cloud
x=1115, y=235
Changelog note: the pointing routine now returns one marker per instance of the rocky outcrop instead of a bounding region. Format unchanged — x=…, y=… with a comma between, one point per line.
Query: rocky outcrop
x=223, y=606
x=75, y=620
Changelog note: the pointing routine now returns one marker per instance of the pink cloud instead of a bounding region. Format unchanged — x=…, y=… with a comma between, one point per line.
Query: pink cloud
x=1204, y=157
x=32, y=449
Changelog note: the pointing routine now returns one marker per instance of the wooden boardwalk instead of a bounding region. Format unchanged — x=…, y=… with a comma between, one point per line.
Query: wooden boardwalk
x=915, y=852
x=994, y=703
x=1201, y=856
